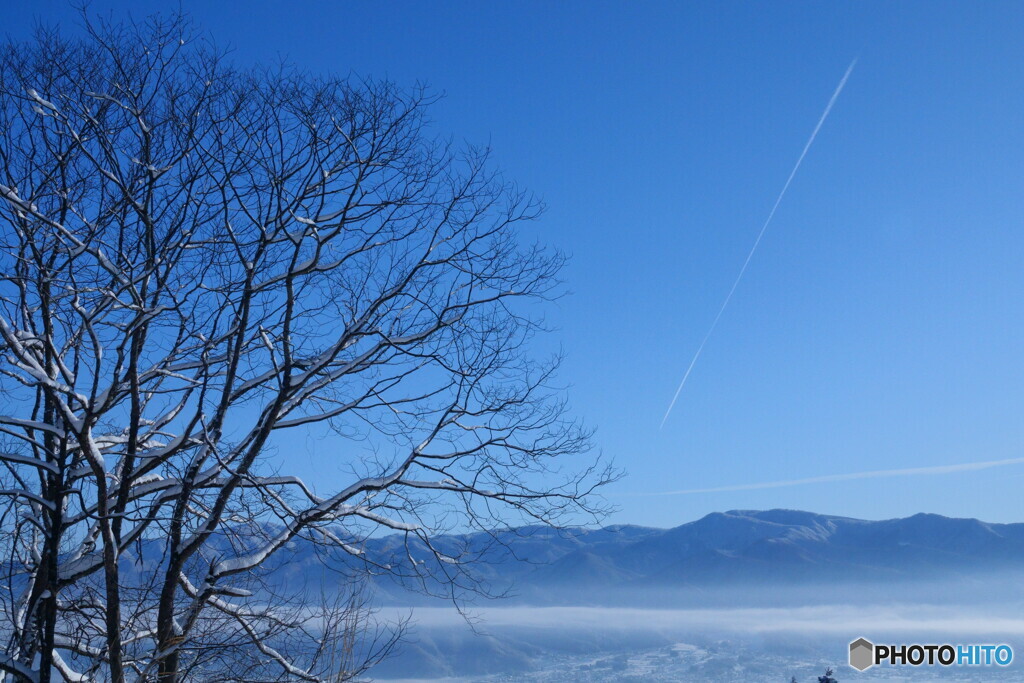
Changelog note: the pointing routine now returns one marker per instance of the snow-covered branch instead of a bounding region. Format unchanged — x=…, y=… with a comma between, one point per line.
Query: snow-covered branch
x=202, y=271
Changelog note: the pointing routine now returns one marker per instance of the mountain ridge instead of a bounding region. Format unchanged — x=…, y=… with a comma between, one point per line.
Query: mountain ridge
x=788, y=549
x=798, y=554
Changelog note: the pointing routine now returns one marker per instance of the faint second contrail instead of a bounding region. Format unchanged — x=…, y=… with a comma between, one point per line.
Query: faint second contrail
x=830, y=478
x=750, y=255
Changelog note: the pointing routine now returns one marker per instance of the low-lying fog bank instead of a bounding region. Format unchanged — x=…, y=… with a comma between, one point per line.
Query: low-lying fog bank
x=818, y=619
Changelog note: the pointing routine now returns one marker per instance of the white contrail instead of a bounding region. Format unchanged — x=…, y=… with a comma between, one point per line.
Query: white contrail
x=750, y=255
x=873, y=474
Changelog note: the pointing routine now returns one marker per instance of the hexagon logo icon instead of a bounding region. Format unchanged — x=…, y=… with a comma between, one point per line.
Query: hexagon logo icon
x=862, y=654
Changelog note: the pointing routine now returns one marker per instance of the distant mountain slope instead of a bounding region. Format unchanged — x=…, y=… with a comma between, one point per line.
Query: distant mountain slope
x=785, y=546
x=800, y=556
x=741, y=547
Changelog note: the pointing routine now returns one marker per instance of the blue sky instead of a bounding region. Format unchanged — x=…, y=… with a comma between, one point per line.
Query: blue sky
x=880, y=325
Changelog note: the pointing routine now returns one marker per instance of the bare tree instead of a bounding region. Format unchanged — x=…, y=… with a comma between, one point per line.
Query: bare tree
x=202, y=267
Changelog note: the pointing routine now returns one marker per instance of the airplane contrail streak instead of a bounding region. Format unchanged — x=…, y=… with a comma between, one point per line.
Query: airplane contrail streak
x=757, y=242
x=873, y=474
